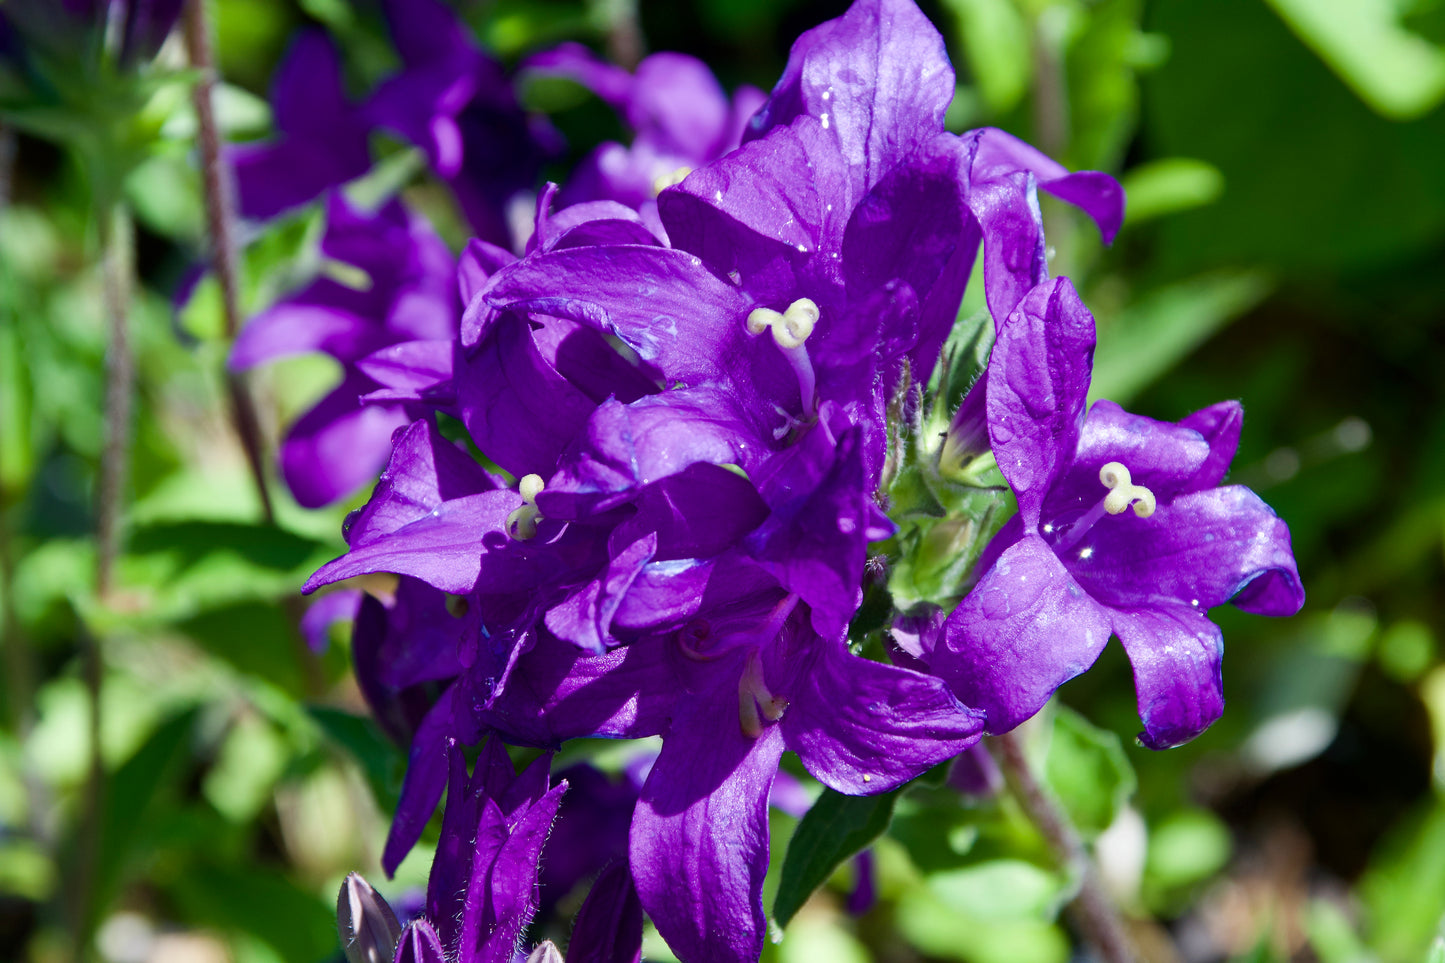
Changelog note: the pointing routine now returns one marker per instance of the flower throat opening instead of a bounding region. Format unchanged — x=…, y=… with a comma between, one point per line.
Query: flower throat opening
x=1122, y=493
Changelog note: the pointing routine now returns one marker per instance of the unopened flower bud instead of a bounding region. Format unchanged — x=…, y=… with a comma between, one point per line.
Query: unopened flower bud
x=369, y=929
x=546, y=952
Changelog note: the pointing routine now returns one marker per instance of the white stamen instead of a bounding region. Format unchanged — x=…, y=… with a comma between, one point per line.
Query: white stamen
x=1123, y=492
x=663, y=181
x=522, y=522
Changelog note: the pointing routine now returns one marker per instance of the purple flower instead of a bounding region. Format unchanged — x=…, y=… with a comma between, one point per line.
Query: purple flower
x=393, y=338
x=1075, y=565
x=450, y=99
x=679, y=115
x=322, y=135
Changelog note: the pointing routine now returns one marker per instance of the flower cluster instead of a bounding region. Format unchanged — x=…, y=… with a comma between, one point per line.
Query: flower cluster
x=688, y=409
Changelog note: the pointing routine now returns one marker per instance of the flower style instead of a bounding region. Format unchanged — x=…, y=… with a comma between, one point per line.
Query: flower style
x=1076, y=565
x=393, y=338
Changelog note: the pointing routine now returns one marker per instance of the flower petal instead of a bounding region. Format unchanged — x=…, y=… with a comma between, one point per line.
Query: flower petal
x=419, y=944
x=1220, y=425
x=1202, y=549
x=1024, y=630
x=1094, y=192
x=700, y=833
x=609, y=924
x=880, y=76
x=339, y=445
x=863, y=727
x=1038, y=383
x=444, y=549
x=1176, y=653
x=557, y=692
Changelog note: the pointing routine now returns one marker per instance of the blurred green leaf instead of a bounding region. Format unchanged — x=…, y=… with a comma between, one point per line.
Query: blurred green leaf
x=1404, y=887
x=1161, y=328
x=941, y=931
x=380, y=759
x=1103, y=95
x=995, y=39
x=164, y=191
x=134, y=797
x=1088, y=771
x=298, y=925
x=1000, y=890
x=1332, y=936
x=254, y=637
x=1397, y=73
x=1169, y=185
x=1186, y=847
x=835, y=829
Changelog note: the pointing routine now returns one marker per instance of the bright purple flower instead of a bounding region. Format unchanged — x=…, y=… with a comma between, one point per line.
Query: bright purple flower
x=1074, y=566
x=393, y=338
x=321, y=136
x=457, y=104
x=679, y=115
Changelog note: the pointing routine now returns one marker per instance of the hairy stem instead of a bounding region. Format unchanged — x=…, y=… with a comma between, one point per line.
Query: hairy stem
x=220, y=220
x=115, y=232
x=1092, y=911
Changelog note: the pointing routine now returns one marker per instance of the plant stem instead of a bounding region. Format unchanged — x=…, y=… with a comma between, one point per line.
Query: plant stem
x=220, y=218
x=1092, y=910
x=115, y=233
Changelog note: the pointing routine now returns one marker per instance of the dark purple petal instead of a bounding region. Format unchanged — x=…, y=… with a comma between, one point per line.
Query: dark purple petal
x=425, y=470
x=699, y=512
x=1094, y=192
x=609, y=924
x=1024, y=630
x=611, y=83
x=419, y=944
x=1220, y=425
x=421, y=790
x=443, y=549
x=862, y=727
x=665, y=304
x=513, y=897
x=590, y=364
x=557, y=693
x=1202, y=549
x=147, y=24
x=325, y=611
x=974, y=773
x=441, y=76
x=879, y=74
x=414, y=368
x=518, y=409
x=814, y=542
x=292, y=328
x=700, y=834
x=584, y=618
x=626, y=447
x=756, y=204
x=339, y=445
x=678, y=105
x=1014, y=257
x=1176, y=653
x=1038, y=383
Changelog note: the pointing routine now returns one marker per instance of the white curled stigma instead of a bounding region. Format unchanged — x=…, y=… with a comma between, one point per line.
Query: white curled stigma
x=1123, y=492
x=791, y=329
x=522, y=523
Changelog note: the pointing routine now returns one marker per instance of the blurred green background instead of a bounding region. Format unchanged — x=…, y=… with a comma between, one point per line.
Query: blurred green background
x=1283, y=246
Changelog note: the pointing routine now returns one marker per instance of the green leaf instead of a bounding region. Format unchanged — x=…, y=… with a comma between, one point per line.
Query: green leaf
x=380, y=759
x=835, y=829
x=996, y=45
x=1400, y=75
x=1169, y=185
x=1000, y=889
x=1088, y=771
x=298, y=925
x=1160, y=329
x=134, y=799
x=1404, y=887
